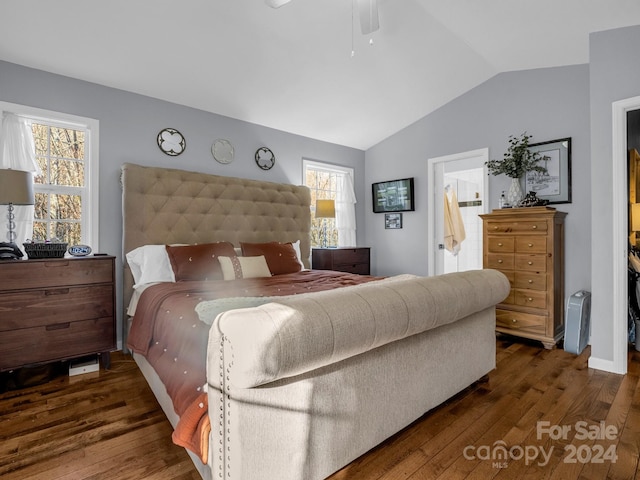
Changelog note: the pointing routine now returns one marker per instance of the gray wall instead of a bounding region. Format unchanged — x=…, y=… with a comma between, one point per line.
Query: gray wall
x=547, y=103
x=129, y=124
x=614, y=76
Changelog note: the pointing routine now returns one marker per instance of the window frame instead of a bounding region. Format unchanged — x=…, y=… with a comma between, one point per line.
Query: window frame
x=324, y=167
x=91, y=190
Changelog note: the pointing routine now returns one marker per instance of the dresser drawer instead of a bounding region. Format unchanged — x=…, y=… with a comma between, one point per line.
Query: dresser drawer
x=45, y=273
x=507, y=319
x=531, y=244
x=347, y=256
x=359, y=268
x=517, y=227
x=54, y=305
x=531, y=263
x=501, y=244
x=500, y=261
x=531, y=280
x=531, y=298
x=34, y=345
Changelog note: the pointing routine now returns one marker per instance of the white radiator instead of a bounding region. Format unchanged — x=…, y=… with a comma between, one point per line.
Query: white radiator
x=576, y=327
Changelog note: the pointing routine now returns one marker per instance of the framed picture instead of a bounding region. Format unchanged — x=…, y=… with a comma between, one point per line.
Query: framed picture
x=392, y=220
x=555, y=184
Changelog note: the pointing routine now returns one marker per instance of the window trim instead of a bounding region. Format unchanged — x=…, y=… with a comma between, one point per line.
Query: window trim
x=90, y=216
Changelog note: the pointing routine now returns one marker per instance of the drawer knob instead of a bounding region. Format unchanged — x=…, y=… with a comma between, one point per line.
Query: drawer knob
x=531, y=244
x=500, y=261
x=529, y=299
x=500, y=244
x=530, y=281
x=530, y=262
x=495, y=228
x=534, y=227
x=513, y=320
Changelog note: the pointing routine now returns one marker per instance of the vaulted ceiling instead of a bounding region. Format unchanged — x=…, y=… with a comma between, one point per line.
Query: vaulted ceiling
x=292, y=68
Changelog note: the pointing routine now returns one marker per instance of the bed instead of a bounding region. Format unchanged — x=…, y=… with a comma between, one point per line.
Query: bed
x=301, y=365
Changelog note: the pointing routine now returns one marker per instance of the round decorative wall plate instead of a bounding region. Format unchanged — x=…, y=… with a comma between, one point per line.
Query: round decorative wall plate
x=222, y=151
x=265, y=158
x=171, y=141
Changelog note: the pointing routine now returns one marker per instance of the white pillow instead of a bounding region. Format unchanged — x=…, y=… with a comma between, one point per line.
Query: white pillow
x=234, y=268
x=149, y=264
x=296, y=248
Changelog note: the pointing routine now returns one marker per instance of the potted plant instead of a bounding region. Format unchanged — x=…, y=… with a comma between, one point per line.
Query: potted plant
x=517, y=161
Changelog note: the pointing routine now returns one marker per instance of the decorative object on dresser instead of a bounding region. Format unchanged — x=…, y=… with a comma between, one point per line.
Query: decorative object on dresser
x=342, y=259
x=56, y=309
x=527, y=245
x=515, y=163
x=16, y=188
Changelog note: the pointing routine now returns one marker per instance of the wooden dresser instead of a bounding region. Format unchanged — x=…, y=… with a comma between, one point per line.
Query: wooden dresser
x=56, y=309
x=342, y=259
x=527, y=245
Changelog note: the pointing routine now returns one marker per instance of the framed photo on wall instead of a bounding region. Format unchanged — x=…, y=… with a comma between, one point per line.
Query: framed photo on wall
x=555, y=184
x=392, y=220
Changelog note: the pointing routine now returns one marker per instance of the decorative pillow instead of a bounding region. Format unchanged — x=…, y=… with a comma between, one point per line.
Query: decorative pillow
x=281, y=257
x=235, y=268
x=150, y=264
x=198, y=262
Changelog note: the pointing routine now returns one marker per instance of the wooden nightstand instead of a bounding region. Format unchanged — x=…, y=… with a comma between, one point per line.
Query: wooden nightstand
x=342, y=259
x=56, y=309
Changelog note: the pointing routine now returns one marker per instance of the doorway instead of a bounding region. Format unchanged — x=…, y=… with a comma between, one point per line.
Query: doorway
x=465, y=176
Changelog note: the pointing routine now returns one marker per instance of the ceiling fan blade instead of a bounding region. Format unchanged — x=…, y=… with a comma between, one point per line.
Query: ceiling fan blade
x=276, y=3
x=368, y=10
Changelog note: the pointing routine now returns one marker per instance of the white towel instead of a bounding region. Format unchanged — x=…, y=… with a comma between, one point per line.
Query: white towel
x=454, y=233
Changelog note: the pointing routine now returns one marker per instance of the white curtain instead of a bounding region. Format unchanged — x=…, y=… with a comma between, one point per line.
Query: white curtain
x=346, y=211
x=18, y=152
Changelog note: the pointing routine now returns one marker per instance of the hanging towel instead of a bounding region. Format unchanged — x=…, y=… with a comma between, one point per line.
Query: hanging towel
x=454, y=232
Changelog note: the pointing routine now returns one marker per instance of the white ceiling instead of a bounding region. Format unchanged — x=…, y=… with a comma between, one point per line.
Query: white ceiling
x=291, y=68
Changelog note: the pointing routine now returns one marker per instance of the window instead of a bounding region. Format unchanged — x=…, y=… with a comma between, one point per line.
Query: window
x=327, y=181
x=66, y=191
x=60, y=189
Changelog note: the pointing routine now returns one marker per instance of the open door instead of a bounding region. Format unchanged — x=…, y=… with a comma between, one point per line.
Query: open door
x=465, y=175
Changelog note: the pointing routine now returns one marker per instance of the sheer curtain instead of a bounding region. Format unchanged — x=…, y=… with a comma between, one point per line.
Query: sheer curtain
x=346, y=211
x=18, y=152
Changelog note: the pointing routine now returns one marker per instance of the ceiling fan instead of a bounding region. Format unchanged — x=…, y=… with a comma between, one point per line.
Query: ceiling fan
x=367, y=9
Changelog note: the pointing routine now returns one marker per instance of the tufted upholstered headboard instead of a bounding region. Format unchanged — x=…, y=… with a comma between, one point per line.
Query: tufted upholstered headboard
x=166, y=206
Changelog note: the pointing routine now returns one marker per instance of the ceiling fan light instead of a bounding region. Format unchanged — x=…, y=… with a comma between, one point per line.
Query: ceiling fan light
x=276, y=3
x=368, y=10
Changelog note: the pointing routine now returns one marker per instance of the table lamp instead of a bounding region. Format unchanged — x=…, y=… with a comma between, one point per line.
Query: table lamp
x=16, y=188
x=325, y=209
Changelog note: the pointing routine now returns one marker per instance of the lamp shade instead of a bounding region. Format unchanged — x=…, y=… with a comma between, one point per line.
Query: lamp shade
x=325, y=209
x=16, y=187
x=635, y=217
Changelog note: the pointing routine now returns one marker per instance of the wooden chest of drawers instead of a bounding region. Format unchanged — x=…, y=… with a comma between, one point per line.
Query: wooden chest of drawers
x=527, y=245
x=343, y=259
x=56, y=309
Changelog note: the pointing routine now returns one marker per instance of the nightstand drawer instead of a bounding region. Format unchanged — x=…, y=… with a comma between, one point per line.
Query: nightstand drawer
x=54, y=305
x=27, y=274
x=27, y=346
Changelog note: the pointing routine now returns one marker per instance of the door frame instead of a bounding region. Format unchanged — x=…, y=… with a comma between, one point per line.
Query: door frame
x=431, y=209
x=619, y=249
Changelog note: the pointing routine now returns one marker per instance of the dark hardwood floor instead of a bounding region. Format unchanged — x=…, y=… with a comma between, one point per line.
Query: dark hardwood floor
x=540, y=408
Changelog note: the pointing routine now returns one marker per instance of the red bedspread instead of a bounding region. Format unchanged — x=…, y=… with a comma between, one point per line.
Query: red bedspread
x=167, y=331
